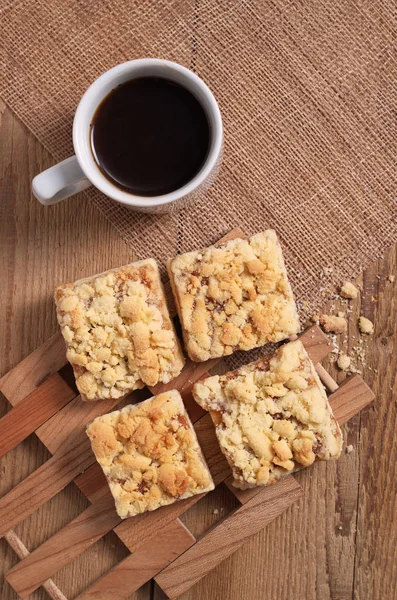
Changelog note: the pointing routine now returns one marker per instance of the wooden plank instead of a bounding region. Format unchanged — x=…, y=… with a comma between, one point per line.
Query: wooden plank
x=231, y=235
x=375, y=448
x=45, y=482
x=350, y=398
x=326, y=379
x=46, y=360
x=31, y=412
x=136, y=569
x=63, y=547
x=243, y=496
x=92, y=482
x=194, y=410
x=226, y=537
x=316, y=343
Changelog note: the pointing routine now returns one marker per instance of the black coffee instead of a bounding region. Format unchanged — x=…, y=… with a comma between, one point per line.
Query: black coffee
x=150, y=136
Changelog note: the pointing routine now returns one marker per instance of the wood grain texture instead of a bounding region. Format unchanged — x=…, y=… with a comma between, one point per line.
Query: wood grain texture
x=64, y=546
x=100, y=518
x=71, y=421
x=227, y=537
x=38, y=406
x=350, y=398
x=92, y=482
x=39, y=248
x=316, y=343
x=45, y=482
x=142, y=565
x=47, y=359
x=42, y=246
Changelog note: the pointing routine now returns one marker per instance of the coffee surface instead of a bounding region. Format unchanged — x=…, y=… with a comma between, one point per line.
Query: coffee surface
x=150, y=136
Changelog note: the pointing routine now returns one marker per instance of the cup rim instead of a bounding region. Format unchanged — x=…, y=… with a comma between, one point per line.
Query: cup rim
x=81, y=136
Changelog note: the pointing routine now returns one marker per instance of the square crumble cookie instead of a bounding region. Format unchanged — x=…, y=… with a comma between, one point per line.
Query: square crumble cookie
x=149, y=454
x=271, y=417
x=235, y=296
x=118, y=332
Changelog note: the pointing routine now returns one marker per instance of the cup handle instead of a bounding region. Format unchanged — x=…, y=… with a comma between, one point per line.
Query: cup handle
x=59, y=182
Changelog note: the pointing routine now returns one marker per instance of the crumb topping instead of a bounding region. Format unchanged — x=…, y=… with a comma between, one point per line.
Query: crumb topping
x=233, y=297
x=271, y=417
x=149, y=454
x=365, y=325
x=343, y=362
x=331, y=323
x=118, y=332
x=348, y=290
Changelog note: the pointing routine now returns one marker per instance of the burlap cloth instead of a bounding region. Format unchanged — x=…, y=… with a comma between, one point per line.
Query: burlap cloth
x=308, y=94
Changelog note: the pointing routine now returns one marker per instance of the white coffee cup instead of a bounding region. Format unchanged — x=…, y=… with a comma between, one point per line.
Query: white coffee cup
x=81, y=171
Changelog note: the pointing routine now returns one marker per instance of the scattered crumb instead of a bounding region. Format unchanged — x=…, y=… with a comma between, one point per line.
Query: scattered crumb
x=343, y=362
x=215, y=512
x=333, y=324
x=365, y=325
x=391, y=278
x=374, y=298
x=340, y=527
x=349, y=449
x=341, y=314
x=335, y=348
x=354, y=370
x=348, y=290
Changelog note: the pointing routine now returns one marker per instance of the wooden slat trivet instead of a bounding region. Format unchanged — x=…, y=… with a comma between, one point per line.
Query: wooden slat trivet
x=62, y=424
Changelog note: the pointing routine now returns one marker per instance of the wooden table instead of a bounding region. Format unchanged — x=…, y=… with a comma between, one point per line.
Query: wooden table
x=318, y=549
